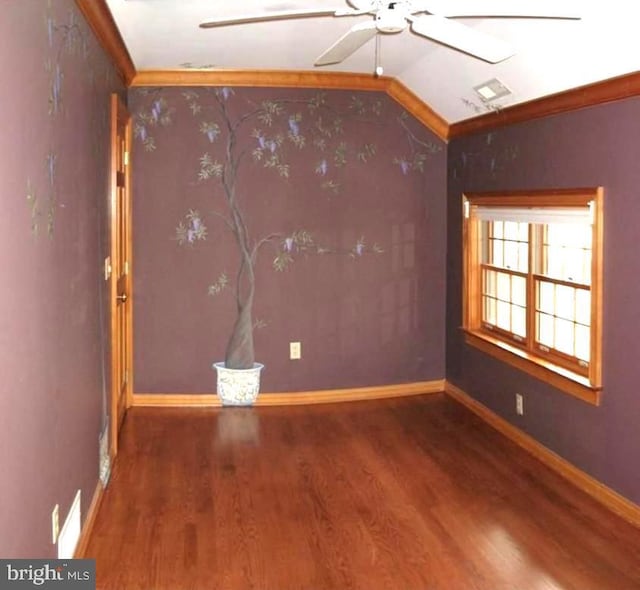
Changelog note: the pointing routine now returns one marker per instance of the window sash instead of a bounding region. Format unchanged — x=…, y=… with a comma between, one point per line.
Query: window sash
x=507, y=311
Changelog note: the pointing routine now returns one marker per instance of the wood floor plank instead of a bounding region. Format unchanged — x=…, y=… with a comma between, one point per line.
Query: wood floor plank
x=403, y=494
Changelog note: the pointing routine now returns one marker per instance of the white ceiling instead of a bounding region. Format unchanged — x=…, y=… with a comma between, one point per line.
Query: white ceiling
x=551, y=55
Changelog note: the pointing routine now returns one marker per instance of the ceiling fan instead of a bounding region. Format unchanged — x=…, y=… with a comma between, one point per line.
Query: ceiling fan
x=428, y=18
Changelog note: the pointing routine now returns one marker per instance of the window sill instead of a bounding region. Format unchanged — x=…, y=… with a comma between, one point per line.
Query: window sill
x=561, y=378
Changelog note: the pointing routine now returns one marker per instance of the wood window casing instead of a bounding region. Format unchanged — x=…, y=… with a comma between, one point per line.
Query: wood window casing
x=563, y=371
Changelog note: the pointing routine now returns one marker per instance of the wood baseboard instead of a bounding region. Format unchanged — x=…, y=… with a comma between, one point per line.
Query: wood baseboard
x=597, y=490
x=89, y=521
x=325, y=396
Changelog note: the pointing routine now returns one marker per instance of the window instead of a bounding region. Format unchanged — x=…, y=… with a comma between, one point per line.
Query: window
x=533, y=283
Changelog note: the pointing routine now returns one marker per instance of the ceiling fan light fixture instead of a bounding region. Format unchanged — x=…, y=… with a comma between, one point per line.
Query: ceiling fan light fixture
x=391, y=20
x=491, y=90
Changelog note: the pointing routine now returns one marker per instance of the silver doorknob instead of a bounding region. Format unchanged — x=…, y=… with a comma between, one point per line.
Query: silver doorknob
x=122, y=298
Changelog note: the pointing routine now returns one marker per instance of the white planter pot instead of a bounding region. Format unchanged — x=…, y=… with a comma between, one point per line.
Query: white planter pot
x=238, y=387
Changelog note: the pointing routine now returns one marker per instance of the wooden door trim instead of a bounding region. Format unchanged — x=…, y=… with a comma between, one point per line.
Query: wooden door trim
x=129, y=241
x=117, y=106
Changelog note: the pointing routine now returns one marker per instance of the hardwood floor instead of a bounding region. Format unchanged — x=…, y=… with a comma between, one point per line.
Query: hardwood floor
x=404, y=494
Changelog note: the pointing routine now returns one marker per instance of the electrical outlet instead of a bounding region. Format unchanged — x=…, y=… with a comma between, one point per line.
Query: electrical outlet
x=295, y=351
x=55, y=524
x=519, y=404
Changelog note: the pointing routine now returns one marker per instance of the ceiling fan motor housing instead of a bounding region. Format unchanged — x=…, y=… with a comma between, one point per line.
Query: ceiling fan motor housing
x=391, y=19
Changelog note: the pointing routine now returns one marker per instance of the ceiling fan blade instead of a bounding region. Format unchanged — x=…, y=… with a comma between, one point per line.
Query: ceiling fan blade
x=269, y=16
x=499, y=8
x=352, y=40
x=461, y=37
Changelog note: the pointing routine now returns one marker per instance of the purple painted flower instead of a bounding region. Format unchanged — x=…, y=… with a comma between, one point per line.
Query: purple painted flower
x=359, y=249
x=226, y=92
x=143, y=133
x=212, y=134
x=404, y=166
x=56, y=87
x=156, y=110
x=191, y=236
x=261, y=141
x=288, y=244
x=51, y=167
x=322, y=168
x=196, y=223
x=293, y=126
x=50, y=31
x=272, y=146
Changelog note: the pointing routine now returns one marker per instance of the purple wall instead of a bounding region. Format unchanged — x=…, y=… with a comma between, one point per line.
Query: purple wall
x=53, y=166
x=591, y=147
x=363, y=317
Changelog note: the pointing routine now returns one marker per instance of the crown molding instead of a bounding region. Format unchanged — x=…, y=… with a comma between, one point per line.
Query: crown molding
x=99, y=17
x=299, y=79
x=418, y=108
x=260, y=78
x=562, y=102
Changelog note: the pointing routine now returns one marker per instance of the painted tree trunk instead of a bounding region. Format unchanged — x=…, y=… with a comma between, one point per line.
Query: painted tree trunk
x=240, y=353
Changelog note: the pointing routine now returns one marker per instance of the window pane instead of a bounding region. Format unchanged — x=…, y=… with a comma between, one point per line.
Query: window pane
x=504, y=286
x=511, y=255
x=519, y=321
x=545, y=330
x=489, y=311
x=490, y=282
x=523, y=232
x=583, y=307
x=554, y=262
x=565, y=302
x=519, y=291
x=574, y=265
x=554, y=234
x=504, y=316
x=510, y=230
x=567, y=252
x=523, y=257
x=497, y=229
x=583, y=343
x=586, y=270
x=496, y=252
x=564, y=336
x=546, y=299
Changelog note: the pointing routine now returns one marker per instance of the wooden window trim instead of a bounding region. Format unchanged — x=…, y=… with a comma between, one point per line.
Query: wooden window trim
x=587, y=387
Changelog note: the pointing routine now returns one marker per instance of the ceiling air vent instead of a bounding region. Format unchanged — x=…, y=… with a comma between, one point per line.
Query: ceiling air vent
x=491, y=90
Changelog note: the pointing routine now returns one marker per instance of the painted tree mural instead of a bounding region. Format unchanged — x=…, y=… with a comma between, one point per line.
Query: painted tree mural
x=68, y=52
x=268, y=134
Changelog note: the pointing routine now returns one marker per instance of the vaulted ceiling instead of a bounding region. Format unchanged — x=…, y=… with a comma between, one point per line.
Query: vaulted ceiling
x=550, y=55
